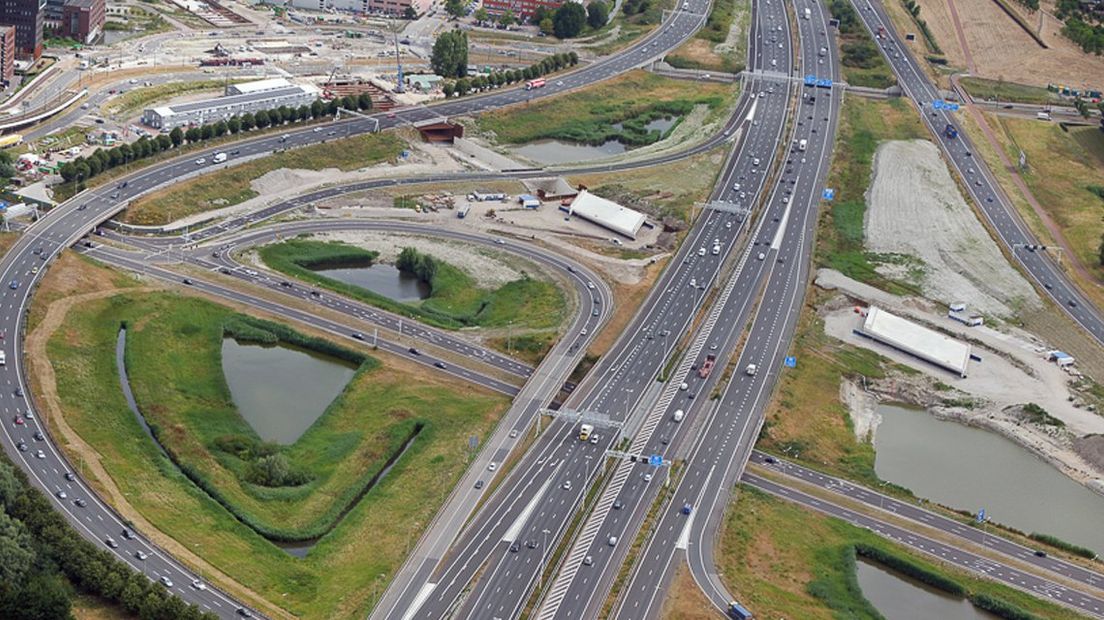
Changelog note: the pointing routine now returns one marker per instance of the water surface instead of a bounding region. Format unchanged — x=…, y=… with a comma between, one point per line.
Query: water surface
x=900, y=598
x=382, y=279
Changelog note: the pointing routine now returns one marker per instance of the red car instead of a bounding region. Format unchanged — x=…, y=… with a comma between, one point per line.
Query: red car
x=19, y=419
x=390, y=115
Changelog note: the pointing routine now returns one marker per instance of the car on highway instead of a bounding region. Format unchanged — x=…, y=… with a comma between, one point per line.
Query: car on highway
x=440, y=365
x=127, y=534
x=165, y=581
x=357, y=335
x=14, y=284
x=40, y=454
x=22, y=447
x=80, y=503
x=414, y=351
x=110, y=542
x=515, y=547
x=1040, y=553
x=70, y=476
x=492, y=466
x=18, y=392
x=478, y=484
x=200, y=161
x=687, y=508
x=19, y=420
x=141, y=555
x=566, y=485
x=647, y=476
x=618, y=505
x=62, y=495
x=612, y=541
x=198, y=585
x=588, y=561
x=770, y=460
x=244, y=613
x=38, y=436
x=187, y=281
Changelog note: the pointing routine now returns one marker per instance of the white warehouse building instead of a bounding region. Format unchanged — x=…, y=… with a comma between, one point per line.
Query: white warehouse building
x=607, y=213
x=240, y=98
x=916, y=340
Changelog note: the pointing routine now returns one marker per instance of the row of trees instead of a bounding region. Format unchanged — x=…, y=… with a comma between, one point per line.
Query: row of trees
x=83, y=168
x=39, y=550
x=479, y=83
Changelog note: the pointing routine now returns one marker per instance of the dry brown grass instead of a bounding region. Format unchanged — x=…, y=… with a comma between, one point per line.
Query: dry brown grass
x=1002, y=50
x=627, y=300
x=685, y=600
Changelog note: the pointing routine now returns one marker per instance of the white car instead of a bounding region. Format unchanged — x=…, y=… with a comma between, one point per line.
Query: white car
x=492, y=466
x=200, y=161
x=199, y=585
x=165, y=581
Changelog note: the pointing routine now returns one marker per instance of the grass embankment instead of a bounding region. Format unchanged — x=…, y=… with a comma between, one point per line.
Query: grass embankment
x=861, y=61
x=863, y=124
x=999, y=90
x=142, y=97
x=721, y=45
x=784, y=561
x=177, y=378
x=454, y=301
x=632, y=101
x=232, y=185
x=1065, y=172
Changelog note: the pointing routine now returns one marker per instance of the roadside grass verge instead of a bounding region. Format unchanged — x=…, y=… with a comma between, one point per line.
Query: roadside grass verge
x=630, y=101
x=141, y=97
x=1063, y=168
x=170, y=365
x=231, y=186
x=863, y=124
x=707, y=50
x=860, y=60
x=999, y=90
x=784, y=561
x=454, y=301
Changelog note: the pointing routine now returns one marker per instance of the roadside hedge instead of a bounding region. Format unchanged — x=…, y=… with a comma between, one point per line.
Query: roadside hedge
x=907, y=567
x=1058, y=543
x=1001, y=608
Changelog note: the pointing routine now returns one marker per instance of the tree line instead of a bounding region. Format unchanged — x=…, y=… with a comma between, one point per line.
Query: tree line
x=43, y=561
x=1081, y=26
x=101, y=160
x=482, y=82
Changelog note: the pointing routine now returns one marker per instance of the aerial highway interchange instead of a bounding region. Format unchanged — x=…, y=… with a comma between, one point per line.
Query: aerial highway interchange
x=488, y=554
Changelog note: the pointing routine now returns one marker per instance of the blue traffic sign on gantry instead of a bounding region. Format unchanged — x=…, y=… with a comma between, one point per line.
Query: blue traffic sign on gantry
x=655, y=460
x=937, y=104
x=810, y=80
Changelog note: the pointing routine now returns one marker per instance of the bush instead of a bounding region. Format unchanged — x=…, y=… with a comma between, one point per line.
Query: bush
x=1058, y=543
x=910, y=568
x=1001, y=608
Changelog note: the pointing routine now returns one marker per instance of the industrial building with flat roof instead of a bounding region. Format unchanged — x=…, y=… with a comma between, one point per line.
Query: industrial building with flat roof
x=241, y=98
x=916, y=340
x=607, y=213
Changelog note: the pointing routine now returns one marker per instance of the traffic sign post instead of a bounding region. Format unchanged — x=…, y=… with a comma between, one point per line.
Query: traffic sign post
x=828, y=193
x=791, y=361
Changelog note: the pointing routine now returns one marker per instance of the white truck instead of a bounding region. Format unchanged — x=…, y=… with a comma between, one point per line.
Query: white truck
x=678, y=415
x=3, y=359
x=751, y=370
x=808, y=13
x=1043, y=116
x=218, y=158
x=803, y=144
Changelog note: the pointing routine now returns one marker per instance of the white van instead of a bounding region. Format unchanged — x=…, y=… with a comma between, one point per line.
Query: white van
x=219, y=158
x=678, y=415
x=751, y=370
x=3, y=359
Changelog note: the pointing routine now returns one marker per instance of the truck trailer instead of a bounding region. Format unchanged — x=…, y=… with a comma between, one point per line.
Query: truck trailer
x=707, y=367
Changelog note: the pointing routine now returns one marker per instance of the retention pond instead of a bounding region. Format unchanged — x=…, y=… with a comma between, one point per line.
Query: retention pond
x=901, y=598
x=382, y=279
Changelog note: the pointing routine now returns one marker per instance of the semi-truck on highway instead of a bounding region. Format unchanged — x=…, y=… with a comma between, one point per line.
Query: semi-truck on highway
x=584, y=432
x=531, y=84
x=737, y=610
x=707, y=367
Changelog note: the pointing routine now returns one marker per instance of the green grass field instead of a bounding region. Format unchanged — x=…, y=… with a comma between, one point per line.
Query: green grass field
x=704, y=51
x=863, y=124
x=232, y=185
x=580, y=116
x=982, y=88
x=454, y=302
x=141, y=97
x=173, y=360
x=783, y=561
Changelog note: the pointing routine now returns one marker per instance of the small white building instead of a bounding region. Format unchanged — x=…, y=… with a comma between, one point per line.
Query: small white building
x=607, y=213
x=916, y=340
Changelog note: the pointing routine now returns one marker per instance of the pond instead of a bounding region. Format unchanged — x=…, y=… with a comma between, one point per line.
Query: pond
x=563, y=152
x=969, y=468
x=382, y=279
x=281, y=390
x=901, y=598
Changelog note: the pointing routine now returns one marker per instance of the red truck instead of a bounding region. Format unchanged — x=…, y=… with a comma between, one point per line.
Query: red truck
x=707, y=367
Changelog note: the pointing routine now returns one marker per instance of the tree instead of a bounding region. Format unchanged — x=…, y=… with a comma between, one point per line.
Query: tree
x=10, y=487
x=220, y=128
x=481, y=16
x=16, y=551
x=42, y=596
x=248, y=121
x=450, y=54
x=206, y=132
x=348, y=102
x=546, y=26
x=303, y=112
x=7, y=170
x=597, y=14
x=316, y=108
x=261, y=119
x=448, y=88
x=192, y=135
x=364, y=101
x=463, y=86
x=410, y=13
x=569, y=20
x=177, y=136
x=507, y=19
x=233, y=125
x=455, y=8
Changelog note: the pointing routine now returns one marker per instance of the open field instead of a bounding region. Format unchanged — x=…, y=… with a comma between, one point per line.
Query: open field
x=721, y=45
x=455, y=298
x=1001, y=50
x=863, y=124
x=1063, y=167
x=632, y=99
x=346, y=570
x=233, y=185
x=783, y=561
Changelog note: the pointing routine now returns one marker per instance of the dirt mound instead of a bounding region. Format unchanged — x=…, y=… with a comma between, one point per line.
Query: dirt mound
x=915, y=209
x=1091, y=448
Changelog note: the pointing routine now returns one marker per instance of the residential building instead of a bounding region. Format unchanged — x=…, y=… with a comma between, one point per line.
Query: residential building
x=522, y=9
x=83, y=20
x=395, y=7
x=7, y=54
x=241, y=98
x=27, y=16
